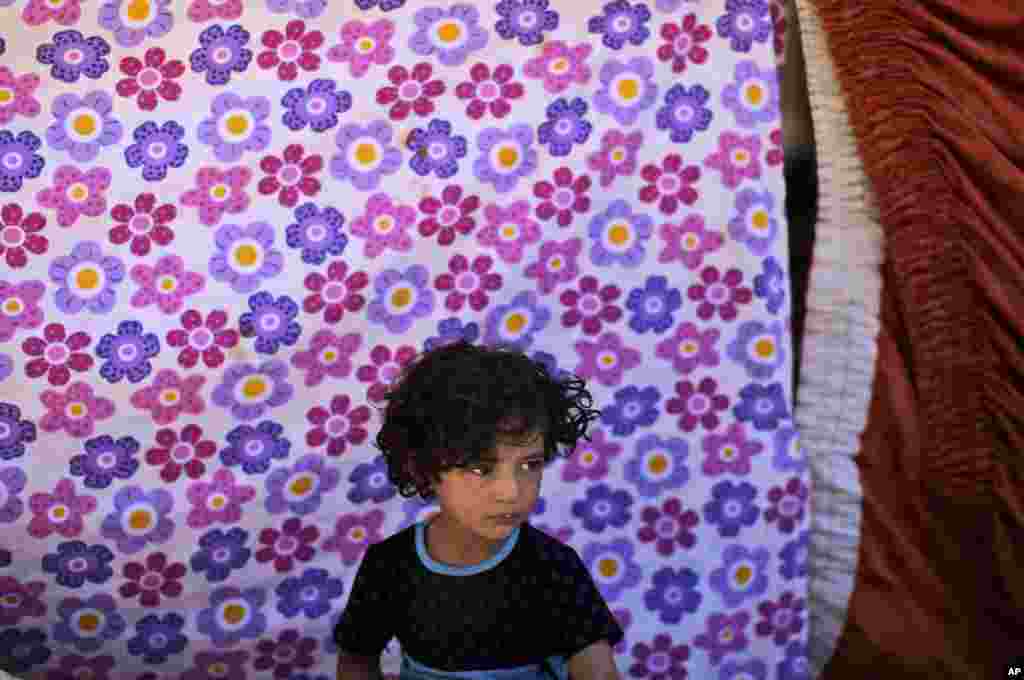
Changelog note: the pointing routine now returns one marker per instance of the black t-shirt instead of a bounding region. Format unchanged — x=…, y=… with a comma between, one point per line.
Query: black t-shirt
x=533, y=601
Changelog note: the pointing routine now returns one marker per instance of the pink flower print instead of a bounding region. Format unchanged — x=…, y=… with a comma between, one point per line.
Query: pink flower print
x=737, y=157
x=291, y=174
x=617, y=156
x=75, y=193
x=555, y=264
x=205, y=10
x=328, y=356
x=149, y=78
x=487, y=91
x=63, y=12
x=563, y=198
x=219, y=192
x=19, y=233
x=364, y=44
x=143, y=225
x=170, y=395
x=217, y=501
x=56, y=354
x=671, y=184
x=333, y=293
x=450, y=215
x=466, y=283
x=149, y=581
x=19, y=307
x=775, y=155
x=509, y=230
x=729, y=452
x=698, y=404
x=689, y=242
x=76, y=411
x=591, y=306
x=384, y=368
x=722, y=295
x=207, y=339
x=384, y=224
x=560, y=66
x=683, y=43
x=291, y=50
x=16, y=95
x=337, y=426
x=292, y=542
x=175, y=454
x=410, y=91
x=60, y=512
x=167, y=284
x=781, y=619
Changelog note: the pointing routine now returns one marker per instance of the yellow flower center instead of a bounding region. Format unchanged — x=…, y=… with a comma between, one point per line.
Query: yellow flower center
x=89, y=622
x=302, y=485
x=254, y=387
x=508, y=157
x=138, y=10
x=401, y=297
x=658, y=464
x=628, y=88
x=237, y=124
x=78, y=192
x=618, y=233
x=607, y=567
x=139, y=520
x=77, y=409
x=246, y=255
x=234, y=613
x=84, y=124
x=755, y=94
x=743, y=575
x=5, y=95
x=764, y=348
x=760, y=220
x=449, y=32
x=366, y=153
x=219, y=191
x=87, y=279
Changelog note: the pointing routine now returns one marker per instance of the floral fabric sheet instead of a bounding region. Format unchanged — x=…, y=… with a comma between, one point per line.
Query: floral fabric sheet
x=226, y=225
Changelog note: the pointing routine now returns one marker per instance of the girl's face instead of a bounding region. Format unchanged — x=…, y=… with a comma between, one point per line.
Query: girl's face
x=473, y=498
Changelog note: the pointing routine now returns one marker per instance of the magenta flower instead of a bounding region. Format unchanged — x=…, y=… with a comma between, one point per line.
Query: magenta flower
x=143, y=223
x=718, y=293
x=207, y=339
x=617, y=156
x=730, y=452
x=353, y=534
x=166, y=284
x=334, y=293
x=170, y=395
x=781, y=619
x=451, y=215
x=59, y=512
x=698, y=404
x=560, y=66
x=737, y=158
x=787, y=505
x=151, y=580
x=217, y=501
x=289, y=51
x=364, y=44
x=509, y=230
x=689, y=241
x=21, y=102
x=683, y=42
x=468, y=283
x=337, y=426
x=205, y=10
x=291, y=173
x=38, y=12
x=20, y=233
x=19, y=307
x=75, y=193
x=384, y=224
x=76, y=411
x=292, y=542
x=328, y=355
x=775, y=155
x=591, y=305
x=671, y=184
x=563, y=198
x=176, y=453
x=410, y=91
x=489, y=91
x=218, y=192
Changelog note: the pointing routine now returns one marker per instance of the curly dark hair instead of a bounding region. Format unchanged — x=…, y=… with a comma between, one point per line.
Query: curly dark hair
x=449, y=407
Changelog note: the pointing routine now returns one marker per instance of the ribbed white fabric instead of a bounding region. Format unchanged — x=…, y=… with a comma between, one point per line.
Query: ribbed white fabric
x=839, y=350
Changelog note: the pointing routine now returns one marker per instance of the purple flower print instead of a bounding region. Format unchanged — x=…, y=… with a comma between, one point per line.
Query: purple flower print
x=220, y=552
x=157, y=637
x=796, y=665
x=106, y=459
x=328, y=356
x=290, y=654
x=100, y=609
x=226, y=665
x=737, y=158
x=299, y=489
x=724, y=635
x=271, y=321
x=14, y=432
x=127, y=353
x=219, y=500
x=139, y=518
x=75, y=411
x=12, y=483
x=617, y=156
x=509, y=230
x=751, y=669
x=764, y=405
x=526, y=20
x=732, y=507
x=769, y=285
x=684, y=42
x=699, y=404
x=742, y=576
x=364, y=44
x=352, y=533
x=18, y=159
x=385, y=5
x=21, y=600
x=221, y=52
x=76, y=193
x=787, y=505
x=317, y=232
x=667, y=526
x=19, y=307
x=306, y=9
x=385, y=224
x=255, y=448
x=560, y=66
x=754, y=96
x=684, y=112
x=673, y=594
x=249, y=391
x=229, y=607
x=730, y=452
x=744, y=23
x=613, y=228
x=781, y=619
x=83, y=125
x=759, y=348
x=60, y=512
x=87, y=279
x=627, y=89
x=165, y=284
x=435, y=149
x=621, y=23
x=156, y=149
x=6, y=368
x=237, y=125
x=505, y=156
x=718, y=293
x=74, y=563
x=603, y=508
x=218, y=192
x=365, y=155
x=317, y=106
x=292, y=542
x=245, y=256
x=450, y=33
x=565, y=126
x=72, y=55
x=156, y=21
x=309, y=594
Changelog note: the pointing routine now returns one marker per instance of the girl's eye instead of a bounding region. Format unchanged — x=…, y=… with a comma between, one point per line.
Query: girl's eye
x=486, y=470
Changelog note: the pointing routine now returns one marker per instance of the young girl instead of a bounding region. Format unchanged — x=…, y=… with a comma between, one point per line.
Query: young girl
x=475, y=592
